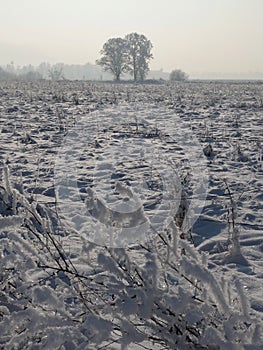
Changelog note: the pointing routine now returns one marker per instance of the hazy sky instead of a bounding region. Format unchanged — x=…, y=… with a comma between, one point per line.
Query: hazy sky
x=194, y=35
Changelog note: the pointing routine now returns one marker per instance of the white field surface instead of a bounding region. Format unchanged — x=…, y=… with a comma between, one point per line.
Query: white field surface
x=112, y=164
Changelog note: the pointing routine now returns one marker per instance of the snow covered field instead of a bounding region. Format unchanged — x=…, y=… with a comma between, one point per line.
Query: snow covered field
x=131, y=215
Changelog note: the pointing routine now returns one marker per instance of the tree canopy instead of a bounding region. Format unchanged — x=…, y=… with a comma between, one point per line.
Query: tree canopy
x=114, y=57
x=129, y=55
x=139, y=49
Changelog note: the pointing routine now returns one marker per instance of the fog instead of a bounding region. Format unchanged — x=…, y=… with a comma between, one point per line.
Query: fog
x=200, y=37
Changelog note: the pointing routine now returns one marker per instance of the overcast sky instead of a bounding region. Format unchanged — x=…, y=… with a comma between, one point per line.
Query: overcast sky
x=194, y=35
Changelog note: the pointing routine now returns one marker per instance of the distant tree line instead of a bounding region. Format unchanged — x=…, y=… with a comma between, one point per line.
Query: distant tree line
x=10, y=73
x=120, y=57
x=45, y=70
x=4, y=75
x=130, y=54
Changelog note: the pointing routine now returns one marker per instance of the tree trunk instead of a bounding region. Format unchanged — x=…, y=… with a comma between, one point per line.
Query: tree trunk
x=134, y=69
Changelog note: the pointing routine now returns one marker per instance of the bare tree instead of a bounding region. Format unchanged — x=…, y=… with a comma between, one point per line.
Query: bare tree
x=114, y=57
x=139, y=48
x=56, y=73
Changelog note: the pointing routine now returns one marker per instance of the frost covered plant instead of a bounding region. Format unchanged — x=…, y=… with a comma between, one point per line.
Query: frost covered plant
x=234, y=254
x=160, y=295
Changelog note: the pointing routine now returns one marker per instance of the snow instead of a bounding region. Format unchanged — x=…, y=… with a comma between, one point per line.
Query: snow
x=134, y=223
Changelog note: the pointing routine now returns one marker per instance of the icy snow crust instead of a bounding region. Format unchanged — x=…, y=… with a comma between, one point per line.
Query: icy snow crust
x=131, y=216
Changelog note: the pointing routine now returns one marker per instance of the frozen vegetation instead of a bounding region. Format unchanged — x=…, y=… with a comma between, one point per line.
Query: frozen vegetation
x=191, y=276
